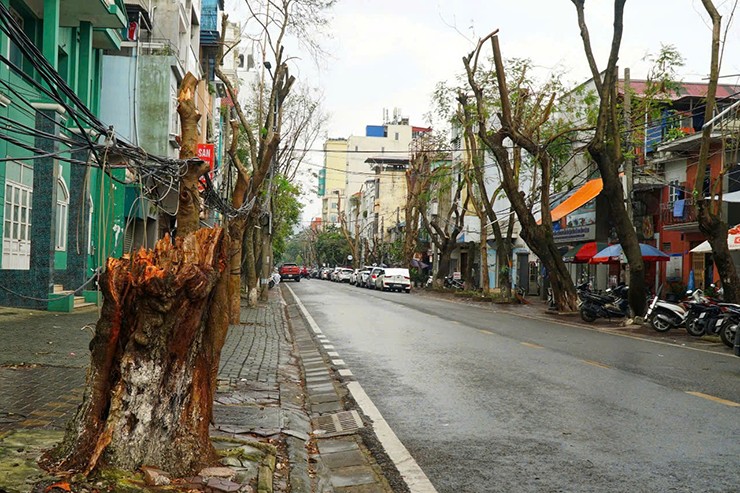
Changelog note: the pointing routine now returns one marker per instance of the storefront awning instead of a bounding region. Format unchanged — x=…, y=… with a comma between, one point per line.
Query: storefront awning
x=581, y=197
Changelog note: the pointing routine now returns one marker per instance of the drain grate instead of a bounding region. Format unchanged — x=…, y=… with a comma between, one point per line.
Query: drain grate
x=342, y=423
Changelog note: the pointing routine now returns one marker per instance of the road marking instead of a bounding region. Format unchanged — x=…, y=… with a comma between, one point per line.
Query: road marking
x=345, y=372
x=487, y=332
x=338, y=362
x=595, y=363
x=714, y=399
x=410, y=471
x=529, y=344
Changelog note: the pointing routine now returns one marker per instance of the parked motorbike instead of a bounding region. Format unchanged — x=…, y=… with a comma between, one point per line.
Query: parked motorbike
x=613, y=304
x=665, y=315
x=453, y=283
x=728, y=326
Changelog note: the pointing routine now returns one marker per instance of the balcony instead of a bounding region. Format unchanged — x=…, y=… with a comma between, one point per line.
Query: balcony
x=671, y=220
x=210, y=25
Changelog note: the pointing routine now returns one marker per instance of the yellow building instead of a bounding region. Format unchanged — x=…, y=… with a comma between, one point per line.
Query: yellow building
x=332, y=179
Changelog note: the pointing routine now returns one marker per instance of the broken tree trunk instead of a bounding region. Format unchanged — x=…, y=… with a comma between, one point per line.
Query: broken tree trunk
x=148, y=395
x=188, y=213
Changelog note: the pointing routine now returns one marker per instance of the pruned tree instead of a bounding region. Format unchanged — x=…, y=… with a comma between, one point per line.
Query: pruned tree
x=527, y=133
x=607, y=150
x=446, y=225
x=427, y=153
x=709, y=208
x=352, y=237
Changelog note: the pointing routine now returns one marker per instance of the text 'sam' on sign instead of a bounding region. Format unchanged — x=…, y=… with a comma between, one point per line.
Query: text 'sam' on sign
x=206, y=153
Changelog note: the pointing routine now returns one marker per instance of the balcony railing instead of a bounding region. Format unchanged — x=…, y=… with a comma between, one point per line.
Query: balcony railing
x=669, y=217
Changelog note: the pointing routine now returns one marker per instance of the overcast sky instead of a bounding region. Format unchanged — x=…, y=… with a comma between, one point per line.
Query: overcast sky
x=391, y=53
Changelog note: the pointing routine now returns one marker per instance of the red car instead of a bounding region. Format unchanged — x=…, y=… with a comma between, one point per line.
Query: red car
x=290, y=271
x=304, y=271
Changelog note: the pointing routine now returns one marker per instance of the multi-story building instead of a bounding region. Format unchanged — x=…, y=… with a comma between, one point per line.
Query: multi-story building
x=663, y=175
x=332, y=180
x=58, y=219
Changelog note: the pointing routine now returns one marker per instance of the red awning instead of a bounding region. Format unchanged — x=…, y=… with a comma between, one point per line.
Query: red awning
x=583, y=195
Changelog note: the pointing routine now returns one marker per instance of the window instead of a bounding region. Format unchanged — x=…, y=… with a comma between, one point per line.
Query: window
x=14, y=53
x=17, y=226
x=241, y=61
x=62, y=213
x=396, y=135
x=675, y=191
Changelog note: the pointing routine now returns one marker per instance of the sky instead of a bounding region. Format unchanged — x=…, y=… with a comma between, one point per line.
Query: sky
x=386, y=54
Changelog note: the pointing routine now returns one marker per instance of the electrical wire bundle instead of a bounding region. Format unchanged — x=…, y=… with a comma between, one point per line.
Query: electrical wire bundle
x=156, y=175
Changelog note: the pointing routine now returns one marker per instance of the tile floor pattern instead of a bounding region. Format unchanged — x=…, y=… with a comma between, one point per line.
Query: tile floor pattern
x=35, y=397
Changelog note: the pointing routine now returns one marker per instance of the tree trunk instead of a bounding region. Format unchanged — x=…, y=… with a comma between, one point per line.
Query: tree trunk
x=188, y=213
x=484, y=258
x=236, y=233
x=443, y=266
x=250, y=264
x=149, y=392
x=709, y=212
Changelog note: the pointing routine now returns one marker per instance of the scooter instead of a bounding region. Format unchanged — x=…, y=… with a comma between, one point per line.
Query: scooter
x=664, y=315
x=612, y=305
x=728, y=327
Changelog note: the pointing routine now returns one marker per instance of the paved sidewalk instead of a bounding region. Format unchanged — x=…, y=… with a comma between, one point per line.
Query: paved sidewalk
x=277, y=396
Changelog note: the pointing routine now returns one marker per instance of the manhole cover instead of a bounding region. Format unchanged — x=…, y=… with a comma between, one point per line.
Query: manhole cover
x=336, y=424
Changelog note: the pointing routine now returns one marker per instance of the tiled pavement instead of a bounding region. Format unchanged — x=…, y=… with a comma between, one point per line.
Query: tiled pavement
x=263, y=392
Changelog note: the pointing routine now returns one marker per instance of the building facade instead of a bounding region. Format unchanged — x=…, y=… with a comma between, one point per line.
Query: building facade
x=58, y=218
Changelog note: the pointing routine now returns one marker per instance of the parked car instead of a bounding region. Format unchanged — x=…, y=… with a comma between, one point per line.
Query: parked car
x=353, y=277
x=325, y=273
x=394, y=279
x=343, y=275
x=304, y=272
x=290, y=271
x=370, y=283
x=362, y=276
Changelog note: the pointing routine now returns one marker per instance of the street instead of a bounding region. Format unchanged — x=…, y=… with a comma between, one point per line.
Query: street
x=487, y=400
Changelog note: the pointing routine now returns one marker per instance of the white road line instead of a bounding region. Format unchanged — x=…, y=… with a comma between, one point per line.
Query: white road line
x=410, y=471
x=311, y=322
x=338, y=362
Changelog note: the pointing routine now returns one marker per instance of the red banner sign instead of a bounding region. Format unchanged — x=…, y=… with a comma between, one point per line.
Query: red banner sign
x=206, y=152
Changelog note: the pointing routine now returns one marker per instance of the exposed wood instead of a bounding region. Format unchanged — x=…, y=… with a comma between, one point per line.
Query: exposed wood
x=149, y=392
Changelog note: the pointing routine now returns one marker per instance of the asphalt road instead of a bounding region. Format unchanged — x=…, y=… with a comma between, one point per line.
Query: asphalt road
x=488, y=401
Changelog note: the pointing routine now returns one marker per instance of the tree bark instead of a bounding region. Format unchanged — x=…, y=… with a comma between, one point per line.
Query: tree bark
x=188, y=213
x=149, y=392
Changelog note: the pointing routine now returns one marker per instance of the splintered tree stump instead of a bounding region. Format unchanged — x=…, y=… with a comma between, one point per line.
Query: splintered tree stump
x=148, y=396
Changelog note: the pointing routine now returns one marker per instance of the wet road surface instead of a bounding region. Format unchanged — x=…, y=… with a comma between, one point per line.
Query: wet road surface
x=487, y=401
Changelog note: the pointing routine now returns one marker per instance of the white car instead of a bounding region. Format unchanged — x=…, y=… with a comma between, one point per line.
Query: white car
x=343, y=275
x=394, y=279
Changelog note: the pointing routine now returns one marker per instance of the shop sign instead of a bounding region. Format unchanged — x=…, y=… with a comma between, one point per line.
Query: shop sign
x=575, y=234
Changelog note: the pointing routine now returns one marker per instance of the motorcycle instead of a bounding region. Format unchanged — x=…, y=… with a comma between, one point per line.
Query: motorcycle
x=728, y=326
x=614, y=304
x=584, y=287
x=451, y=282
x=664, y=315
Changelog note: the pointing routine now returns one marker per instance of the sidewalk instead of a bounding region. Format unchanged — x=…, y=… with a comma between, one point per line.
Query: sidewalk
x=282, y=422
